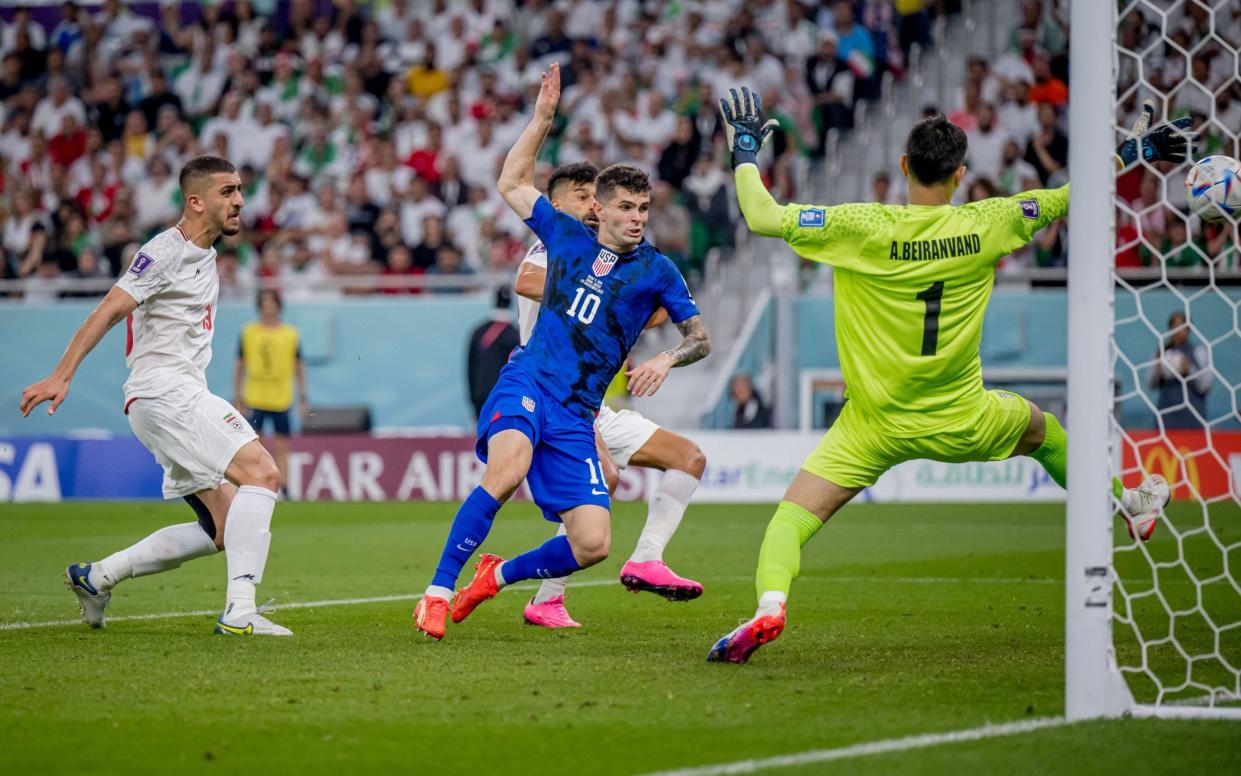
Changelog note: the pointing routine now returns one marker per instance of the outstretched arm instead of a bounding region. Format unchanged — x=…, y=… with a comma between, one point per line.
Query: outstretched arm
x=747, y=134
x=646, y=379
x=55, y=387
x=516, y=183
x=762, y=213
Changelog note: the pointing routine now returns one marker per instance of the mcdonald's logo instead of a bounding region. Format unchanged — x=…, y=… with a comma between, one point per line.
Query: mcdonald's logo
x=1170, y=463
x=1198, y=465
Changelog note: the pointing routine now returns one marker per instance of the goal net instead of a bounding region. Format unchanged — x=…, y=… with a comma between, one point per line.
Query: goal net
x=1176, y=362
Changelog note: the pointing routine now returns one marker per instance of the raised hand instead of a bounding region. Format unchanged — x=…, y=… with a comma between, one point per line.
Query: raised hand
x=743, y=125
x=1167, y=142
x=549, y=92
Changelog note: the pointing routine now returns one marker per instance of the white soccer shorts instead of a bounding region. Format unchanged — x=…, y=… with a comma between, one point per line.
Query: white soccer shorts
x=193, y=434
x=624, y=433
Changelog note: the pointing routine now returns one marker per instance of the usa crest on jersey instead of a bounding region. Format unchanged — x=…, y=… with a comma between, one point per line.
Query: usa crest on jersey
x=603, y=263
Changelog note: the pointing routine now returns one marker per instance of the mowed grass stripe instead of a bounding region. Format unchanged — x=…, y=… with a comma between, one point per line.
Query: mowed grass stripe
x=531, y=586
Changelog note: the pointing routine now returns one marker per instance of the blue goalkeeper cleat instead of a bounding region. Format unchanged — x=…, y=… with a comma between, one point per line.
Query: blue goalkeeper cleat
x=91, y=601
x=737, y=646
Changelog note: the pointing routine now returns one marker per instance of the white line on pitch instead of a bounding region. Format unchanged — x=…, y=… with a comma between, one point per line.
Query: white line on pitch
x=526, y=586
x=295, y=605
x=870, y=748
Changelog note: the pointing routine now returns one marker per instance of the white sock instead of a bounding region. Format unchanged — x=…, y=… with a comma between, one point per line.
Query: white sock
x=555, y=586
x=499, y=576
x=246, y=539
x=667, y=508
x=439, y=591
x=769, y=603
x=165, y=549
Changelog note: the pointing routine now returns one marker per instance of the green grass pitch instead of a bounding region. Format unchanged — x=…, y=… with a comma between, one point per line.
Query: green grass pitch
x=907, y=620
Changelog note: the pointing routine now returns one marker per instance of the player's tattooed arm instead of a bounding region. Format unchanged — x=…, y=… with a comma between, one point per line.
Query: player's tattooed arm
x=696, y=343
x=646, y=379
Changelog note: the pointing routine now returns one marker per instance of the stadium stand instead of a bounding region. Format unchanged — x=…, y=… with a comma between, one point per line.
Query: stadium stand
x=349, y=117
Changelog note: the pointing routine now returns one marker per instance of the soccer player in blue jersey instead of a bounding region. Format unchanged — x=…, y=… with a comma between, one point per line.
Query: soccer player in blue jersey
x=538, y=422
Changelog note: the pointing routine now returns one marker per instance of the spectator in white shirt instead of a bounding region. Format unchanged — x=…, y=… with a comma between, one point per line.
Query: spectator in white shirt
x=388, y=179
x=155, y=197
x=200, y=85
x=986, y=145
x=49, y=114
x=417, y=205
x=480, y=161
x=1018, y=116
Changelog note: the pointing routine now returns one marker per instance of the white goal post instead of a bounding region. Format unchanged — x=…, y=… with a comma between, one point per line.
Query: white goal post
x=1151, y=630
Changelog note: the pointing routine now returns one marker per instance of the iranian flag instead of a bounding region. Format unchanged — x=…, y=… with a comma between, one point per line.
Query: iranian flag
x=862, y=65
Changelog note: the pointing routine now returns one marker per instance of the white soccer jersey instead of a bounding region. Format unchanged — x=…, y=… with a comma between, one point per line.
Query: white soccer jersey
x=528, y=309
x=168, y=338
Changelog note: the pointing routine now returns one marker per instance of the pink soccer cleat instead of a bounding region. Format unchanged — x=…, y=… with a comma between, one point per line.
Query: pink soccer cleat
x=549, y=614
x=737, y=646
x=654, y=576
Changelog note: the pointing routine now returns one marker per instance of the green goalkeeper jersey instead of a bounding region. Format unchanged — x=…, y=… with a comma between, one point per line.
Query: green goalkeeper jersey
x=912, y=286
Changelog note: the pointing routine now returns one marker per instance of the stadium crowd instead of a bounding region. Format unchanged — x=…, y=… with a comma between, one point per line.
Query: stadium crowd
x=369, y=135
x=1014, y=112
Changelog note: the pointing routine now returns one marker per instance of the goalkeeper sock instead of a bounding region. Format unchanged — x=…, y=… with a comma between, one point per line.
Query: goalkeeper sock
x=469, y=528
x=779, y=559
x=1053, y=454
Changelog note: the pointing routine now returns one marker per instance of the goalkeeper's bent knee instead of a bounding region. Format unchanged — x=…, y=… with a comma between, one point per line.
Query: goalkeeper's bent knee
x=779, y=559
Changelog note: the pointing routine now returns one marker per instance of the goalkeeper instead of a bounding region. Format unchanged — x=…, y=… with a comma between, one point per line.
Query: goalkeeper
x=912, y=286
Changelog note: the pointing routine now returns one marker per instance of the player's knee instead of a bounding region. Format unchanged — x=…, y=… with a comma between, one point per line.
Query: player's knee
x=592, y=548
x=502, y=480
x=694, y=461
x=262, y=473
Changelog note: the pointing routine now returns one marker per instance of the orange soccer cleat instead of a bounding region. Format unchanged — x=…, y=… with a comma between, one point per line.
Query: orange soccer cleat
x=481, y=588
x=431, y=616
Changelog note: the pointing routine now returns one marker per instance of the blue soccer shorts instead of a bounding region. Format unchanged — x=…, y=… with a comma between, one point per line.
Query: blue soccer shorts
x=565, y=471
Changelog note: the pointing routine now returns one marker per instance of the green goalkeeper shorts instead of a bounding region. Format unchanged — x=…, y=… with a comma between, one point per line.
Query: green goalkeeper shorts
x=852, y=454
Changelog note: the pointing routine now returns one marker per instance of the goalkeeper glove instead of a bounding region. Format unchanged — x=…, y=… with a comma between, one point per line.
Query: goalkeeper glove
x=1168, y=142
x=744, y=127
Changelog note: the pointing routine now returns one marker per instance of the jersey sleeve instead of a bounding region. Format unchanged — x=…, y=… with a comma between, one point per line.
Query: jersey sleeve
x=674, y=295
x=148, y=274
x=547, y=222
x=1010, y=222
x=536, y=255
x=831, y=235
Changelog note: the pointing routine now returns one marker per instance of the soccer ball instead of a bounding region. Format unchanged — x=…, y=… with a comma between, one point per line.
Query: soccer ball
x=1214, y=187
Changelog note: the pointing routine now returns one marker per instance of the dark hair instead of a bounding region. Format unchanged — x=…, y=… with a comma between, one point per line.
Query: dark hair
x=936, y=148
x=575, y=174
x=274, y=294
x=621, y=176
x=200, y=167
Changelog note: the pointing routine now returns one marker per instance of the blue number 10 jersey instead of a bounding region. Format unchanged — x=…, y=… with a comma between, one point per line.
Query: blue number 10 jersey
x=595, y=304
